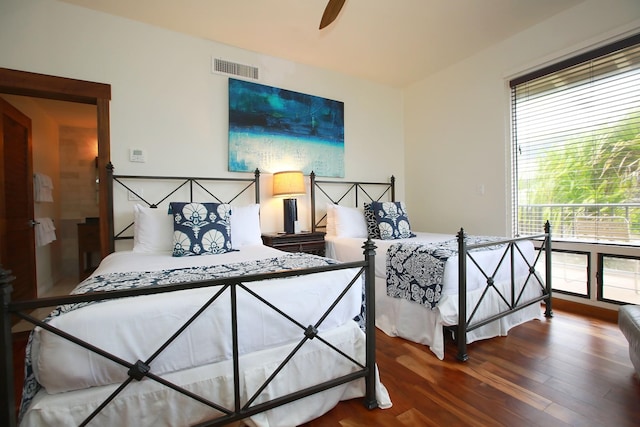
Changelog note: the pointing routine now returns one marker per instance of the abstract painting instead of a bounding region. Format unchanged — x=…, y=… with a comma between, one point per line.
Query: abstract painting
x=275, y=129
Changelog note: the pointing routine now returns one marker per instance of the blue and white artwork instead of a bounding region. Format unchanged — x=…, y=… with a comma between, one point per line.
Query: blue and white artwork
x=275, y=129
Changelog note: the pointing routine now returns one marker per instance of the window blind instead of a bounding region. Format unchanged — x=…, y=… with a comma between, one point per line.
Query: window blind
x=576, y=146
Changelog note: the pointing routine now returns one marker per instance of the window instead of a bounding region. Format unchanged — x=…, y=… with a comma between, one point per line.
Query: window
x=576, y=147
x=570, y=273
x=619, y=279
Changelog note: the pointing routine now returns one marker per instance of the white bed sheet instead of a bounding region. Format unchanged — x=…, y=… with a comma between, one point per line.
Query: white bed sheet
x=415, y=322
x=133, y=331
x=147, y=403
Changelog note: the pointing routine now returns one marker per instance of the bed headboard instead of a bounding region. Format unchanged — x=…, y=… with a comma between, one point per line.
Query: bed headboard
x=159, y=191
x=351, y=193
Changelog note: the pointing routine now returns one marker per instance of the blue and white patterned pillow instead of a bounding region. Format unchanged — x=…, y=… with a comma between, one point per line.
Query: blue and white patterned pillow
x=201, y=228
x=372, y=225
x=392, y=219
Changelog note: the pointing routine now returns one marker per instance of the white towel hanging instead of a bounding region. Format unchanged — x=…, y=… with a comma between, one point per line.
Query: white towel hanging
x=45, y=231
x=42, y=188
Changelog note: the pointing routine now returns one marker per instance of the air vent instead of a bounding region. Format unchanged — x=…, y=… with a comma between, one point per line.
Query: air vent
x=220, y=66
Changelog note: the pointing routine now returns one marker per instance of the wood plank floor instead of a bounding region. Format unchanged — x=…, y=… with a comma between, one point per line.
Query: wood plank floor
x=569, y=370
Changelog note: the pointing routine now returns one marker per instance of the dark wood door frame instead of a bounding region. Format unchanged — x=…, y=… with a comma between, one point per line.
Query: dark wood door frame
x=25, y=83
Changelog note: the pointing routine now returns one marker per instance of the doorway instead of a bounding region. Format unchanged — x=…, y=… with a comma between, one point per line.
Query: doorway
x=15, y=82
x=64, y=150
x=17, y=251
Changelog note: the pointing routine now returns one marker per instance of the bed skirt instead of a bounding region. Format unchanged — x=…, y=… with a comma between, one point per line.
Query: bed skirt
x=398, y=317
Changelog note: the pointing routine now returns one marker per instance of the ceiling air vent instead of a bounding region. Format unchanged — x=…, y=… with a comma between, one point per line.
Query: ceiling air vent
x=220, y=66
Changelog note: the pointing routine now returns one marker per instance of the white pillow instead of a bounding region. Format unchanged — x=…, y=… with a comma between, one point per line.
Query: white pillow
x=245, y=226
x=152, y=229
x=349, y=222
x=331, y=222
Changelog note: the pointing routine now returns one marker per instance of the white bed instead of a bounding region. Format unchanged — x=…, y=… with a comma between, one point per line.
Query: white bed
x=130, y=332
x=67, y=382
x=415, y=322
x=131, y=329
x=337, y=208
x=150, y=404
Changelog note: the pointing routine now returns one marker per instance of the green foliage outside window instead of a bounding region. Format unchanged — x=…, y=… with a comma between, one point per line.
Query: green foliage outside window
x=600, y=167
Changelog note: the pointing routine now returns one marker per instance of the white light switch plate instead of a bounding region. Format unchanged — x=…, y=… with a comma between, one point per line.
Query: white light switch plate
x=137, y=155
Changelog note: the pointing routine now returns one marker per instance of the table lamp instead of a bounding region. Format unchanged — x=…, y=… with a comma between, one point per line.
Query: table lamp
x=289, y=183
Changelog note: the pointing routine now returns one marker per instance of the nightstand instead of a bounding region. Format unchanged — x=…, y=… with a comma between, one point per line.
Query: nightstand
x=88, y=245
x=310, y=242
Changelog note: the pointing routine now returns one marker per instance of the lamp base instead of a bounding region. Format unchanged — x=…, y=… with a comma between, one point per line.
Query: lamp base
x=290, y=215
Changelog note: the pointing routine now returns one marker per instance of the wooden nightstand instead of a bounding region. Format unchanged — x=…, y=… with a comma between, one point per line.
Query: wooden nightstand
x=88, y=245
x=311, y=242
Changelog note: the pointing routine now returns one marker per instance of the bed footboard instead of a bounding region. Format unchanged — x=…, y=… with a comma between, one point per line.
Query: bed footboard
x=138, y=370
x=513, y=300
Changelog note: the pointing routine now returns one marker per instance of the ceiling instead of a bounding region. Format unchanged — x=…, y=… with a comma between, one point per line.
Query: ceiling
x=392, y=42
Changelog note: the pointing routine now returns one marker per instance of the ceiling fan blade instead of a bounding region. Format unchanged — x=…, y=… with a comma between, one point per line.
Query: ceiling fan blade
x=331, y=12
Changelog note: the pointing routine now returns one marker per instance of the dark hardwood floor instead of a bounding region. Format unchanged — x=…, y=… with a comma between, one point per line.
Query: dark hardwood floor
x=570, y=370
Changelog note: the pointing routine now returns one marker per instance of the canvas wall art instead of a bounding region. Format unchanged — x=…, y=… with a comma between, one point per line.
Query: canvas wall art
x=275, y=129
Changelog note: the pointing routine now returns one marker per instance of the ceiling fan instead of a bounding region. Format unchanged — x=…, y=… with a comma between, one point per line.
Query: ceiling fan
x=331, y=12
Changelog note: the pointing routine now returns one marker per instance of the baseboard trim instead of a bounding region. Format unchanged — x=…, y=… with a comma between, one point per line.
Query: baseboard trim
x=588, y=310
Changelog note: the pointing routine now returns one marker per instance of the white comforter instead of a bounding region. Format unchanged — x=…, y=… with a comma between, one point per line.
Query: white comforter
x=413, y=321
x=133, y=328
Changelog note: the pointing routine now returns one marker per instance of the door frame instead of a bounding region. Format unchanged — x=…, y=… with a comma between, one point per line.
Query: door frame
x=25, y=83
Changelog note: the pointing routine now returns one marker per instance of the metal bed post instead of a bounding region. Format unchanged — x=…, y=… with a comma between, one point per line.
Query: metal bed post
x=462, y=298
x=371, y=400
x=8, y=408
x=256, y=184
x=393, y=188
x=109, y=213
x=312, y=176
x=548, y=312
x=237, y=405
x=512, y=260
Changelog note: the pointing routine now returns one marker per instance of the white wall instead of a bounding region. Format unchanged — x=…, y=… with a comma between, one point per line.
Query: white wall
x=457, y=121
x=451, y=131
x=166, y=101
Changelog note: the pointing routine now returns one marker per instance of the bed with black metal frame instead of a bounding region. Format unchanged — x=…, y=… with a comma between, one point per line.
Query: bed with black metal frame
x=281, y=381
x=494, y=283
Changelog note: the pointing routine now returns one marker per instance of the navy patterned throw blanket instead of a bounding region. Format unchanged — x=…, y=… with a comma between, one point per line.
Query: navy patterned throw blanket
x=132, y=280
x=415, y=271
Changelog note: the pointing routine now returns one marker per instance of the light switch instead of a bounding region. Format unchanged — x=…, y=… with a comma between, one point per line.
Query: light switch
x=137, y=155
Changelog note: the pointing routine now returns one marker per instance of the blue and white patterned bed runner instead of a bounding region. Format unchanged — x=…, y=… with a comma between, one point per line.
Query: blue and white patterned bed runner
x=132, y=280
x=415, y=271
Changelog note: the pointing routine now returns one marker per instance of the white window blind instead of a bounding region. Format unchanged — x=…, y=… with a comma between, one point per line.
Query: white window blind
x=576, y=146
